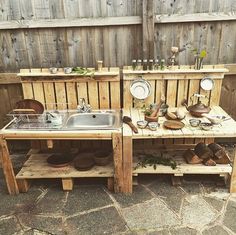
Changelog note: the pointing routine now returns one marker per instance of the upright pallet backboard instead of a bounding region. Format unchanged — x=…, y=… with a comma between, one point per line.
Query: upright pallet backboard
x=63, y=91
x=175, y=85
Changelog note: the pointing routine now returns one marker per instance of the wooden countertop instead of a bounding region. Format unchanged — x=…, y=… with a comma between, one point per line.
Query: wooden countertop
x=226, y=129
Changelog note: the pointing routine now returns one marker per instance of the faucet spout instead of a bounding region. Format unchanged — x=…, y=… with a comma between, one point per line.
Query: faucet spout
x=83, y=107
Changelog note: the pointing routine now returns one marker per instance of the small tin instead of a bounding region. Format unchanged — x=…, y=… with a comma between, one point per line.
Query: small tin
x=53, y=70
x=153, y=126
x=67, y=70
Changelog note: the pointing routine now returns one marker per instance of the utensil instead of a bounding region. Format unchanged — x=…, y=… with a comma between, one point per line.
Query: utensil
x=153, y=126
x=156, y=109
x=59, y=160
x=142, y=124
x=84, y=161
x=163, y=110
x=67, y=70
x=197, y=109
x=128, y=121
x=194, y=122
x=206, y=126
x=30, y=104
x=173, y=125
x=53, y=70
x=207, y=84
x=215, y=119
x=102, y=158
x=140, y=89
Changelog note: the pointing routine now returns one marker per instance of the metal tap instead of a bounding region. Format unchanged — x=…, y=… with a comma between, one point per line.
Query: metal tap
x=83, y=107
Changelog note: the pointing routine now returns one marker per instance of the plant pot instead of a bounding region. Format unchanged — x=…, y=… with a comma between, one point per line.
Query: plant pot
x=102, y=158
x=151, y=119
x=198, y=63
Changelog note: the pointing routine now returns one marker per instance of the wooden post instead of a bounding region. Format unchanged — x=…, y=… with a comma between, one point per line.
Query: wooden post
x=23, y=185
x=117, y=155
x=67, y=184
x=148, y=29
x=127, y=164
x=8, y=168
x=50, y=144
x=233, y=175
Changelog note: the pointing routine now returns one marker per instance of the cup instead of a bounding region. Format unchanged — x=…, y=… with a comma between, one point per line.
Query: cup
x=53, y=70
x=67, y=70
x=194, y=122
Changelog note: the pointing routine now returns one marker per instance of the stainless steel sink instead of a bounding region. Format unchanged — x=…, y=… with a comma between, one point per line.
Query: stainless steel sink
x=96, y=120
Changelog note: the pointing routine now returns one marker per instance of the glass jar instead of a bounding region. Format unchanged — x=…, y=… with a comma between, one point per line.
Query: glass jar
x=162, y=64
x=145, y=64
x=150, y=65
x=134, y=64
x=156, y=64
x=139, y=65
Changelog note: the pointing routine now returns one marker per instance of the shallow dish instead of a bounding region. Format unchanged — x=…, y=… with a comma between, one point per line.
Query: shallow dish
x=207, y=84
x=142, y=124
x=140, y=89
x=206, y=126
x=194, y=122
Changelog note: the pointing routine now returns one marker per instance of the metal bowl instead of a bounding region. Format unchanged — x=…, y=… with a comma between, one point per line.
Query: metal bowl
x=206, y=126
x=142, y=124
x=194, y=122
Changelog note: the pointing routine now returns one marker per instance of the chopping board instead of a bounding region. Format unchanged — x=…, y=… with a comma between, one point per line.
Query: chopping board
x=173, y=125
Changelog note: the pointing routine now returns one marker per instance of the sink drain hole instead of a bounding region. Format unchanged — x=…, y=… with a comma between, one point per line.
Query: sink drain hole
x=94, y=116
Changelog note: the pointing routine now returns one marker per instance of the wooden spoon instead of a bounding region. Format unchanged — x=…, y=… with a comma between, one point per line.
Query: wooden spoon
x=128, y=121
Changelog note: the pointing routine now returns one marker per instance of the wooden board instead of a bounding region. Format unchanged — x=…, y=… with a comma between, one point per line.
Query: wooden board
x=36, y=167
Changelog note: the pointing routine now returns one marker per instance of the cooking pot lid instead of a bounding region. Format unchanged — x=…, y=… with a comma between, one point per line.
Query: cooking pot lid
x=140, y=89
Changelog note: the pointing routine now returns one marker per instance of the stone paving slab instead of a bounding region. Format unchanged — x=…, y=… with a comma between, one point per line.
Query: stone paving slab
x=199, y=206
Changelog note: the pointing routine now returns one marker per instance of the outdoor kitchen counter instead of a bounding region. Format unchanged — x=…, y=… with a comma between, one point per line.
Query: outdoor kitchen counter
x=19, y=184
x=227, y=129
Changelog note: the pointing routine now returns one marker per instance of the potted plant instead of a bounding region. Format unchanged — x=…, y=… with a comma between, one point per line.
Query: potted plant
x=199, y=56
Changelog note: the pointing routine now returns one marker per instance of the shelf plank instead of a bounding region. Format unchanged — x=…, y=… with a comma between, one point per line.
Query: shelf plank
x=182, y=168
x=36, y=167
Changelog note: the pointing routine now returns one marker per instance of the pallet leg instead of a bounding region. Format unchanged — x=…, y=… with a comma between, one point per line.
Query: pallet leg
x=23, y=185
x=50, y=144
x=176, y=180
x=233, y=175
x=135, y=180
x=67, y=184
x=127, y=164
x=110, y=184
x=117, y=158
x=8, y=168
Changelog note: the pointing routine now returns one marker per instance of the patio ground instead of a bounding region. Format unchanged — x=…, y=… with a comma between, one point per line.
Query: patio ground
x=201, y=205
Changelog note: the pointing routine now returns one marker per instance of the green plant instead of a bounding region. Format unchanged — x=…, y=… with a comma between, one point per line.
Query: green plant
x=83, y=71
x=154, y=160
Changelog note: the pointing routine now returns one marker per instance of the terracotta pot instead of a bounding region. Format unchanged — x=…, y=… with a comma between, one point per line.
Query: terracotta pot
x=151, y=119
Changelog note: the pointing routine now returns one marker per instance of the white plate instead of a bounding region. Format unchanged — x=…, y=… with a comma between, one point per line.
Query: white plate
x=140, y=89
x=207, y=84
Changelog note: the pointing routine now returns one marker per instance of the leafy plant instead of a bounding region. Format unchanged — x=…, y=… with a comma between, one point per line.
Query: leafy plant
x=152, y=160
x=83, y=71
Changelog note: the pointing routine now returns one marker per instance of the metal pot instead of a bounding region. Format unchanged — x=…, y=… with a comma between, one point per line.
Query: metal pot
x=199, y=108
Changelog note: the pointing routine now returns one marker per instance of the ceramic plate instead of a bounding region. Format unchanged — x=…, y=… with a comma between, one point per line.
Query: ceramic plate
x=140, y=89
x=207, y=84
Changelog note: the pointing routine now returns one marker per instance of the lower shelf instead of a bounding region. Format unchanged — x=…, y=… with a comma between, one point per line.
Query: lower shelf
x=182, y=168
x=36, y=167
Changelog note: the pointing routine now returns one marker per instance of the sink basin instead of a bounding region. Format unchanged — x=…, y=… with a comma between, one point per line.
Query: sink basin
x=96, y=120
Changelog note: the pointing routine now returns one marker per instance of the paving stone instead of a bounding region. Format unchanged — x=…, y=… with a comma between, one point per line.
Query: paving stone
x=217, y=230
x=191, y=188
x=43, y=223
x=183, y=231
x=149, y=215
x=35, y=232
x=161, y=232
x=52, y=202
x=84, y=198
x=196, y=213
x=214, y=202
x=140, y=194
x=104, y=221
x=24, y=202
x=9, y=226
x=171, y=195
x=230, y=214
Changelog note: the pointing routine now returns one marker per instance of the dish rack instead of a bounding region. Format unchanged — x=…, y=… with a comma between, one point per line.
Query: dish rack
x=46, y=120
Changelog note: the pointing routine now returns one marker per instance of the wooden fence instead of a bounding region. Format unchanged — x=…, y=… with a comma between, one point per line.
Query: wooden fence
x=45, y=33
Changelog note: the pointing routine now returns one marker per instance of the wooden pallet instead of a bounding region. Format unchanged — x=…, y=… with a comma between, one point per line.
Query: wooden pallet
x=183, y=168
x=36, y=167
